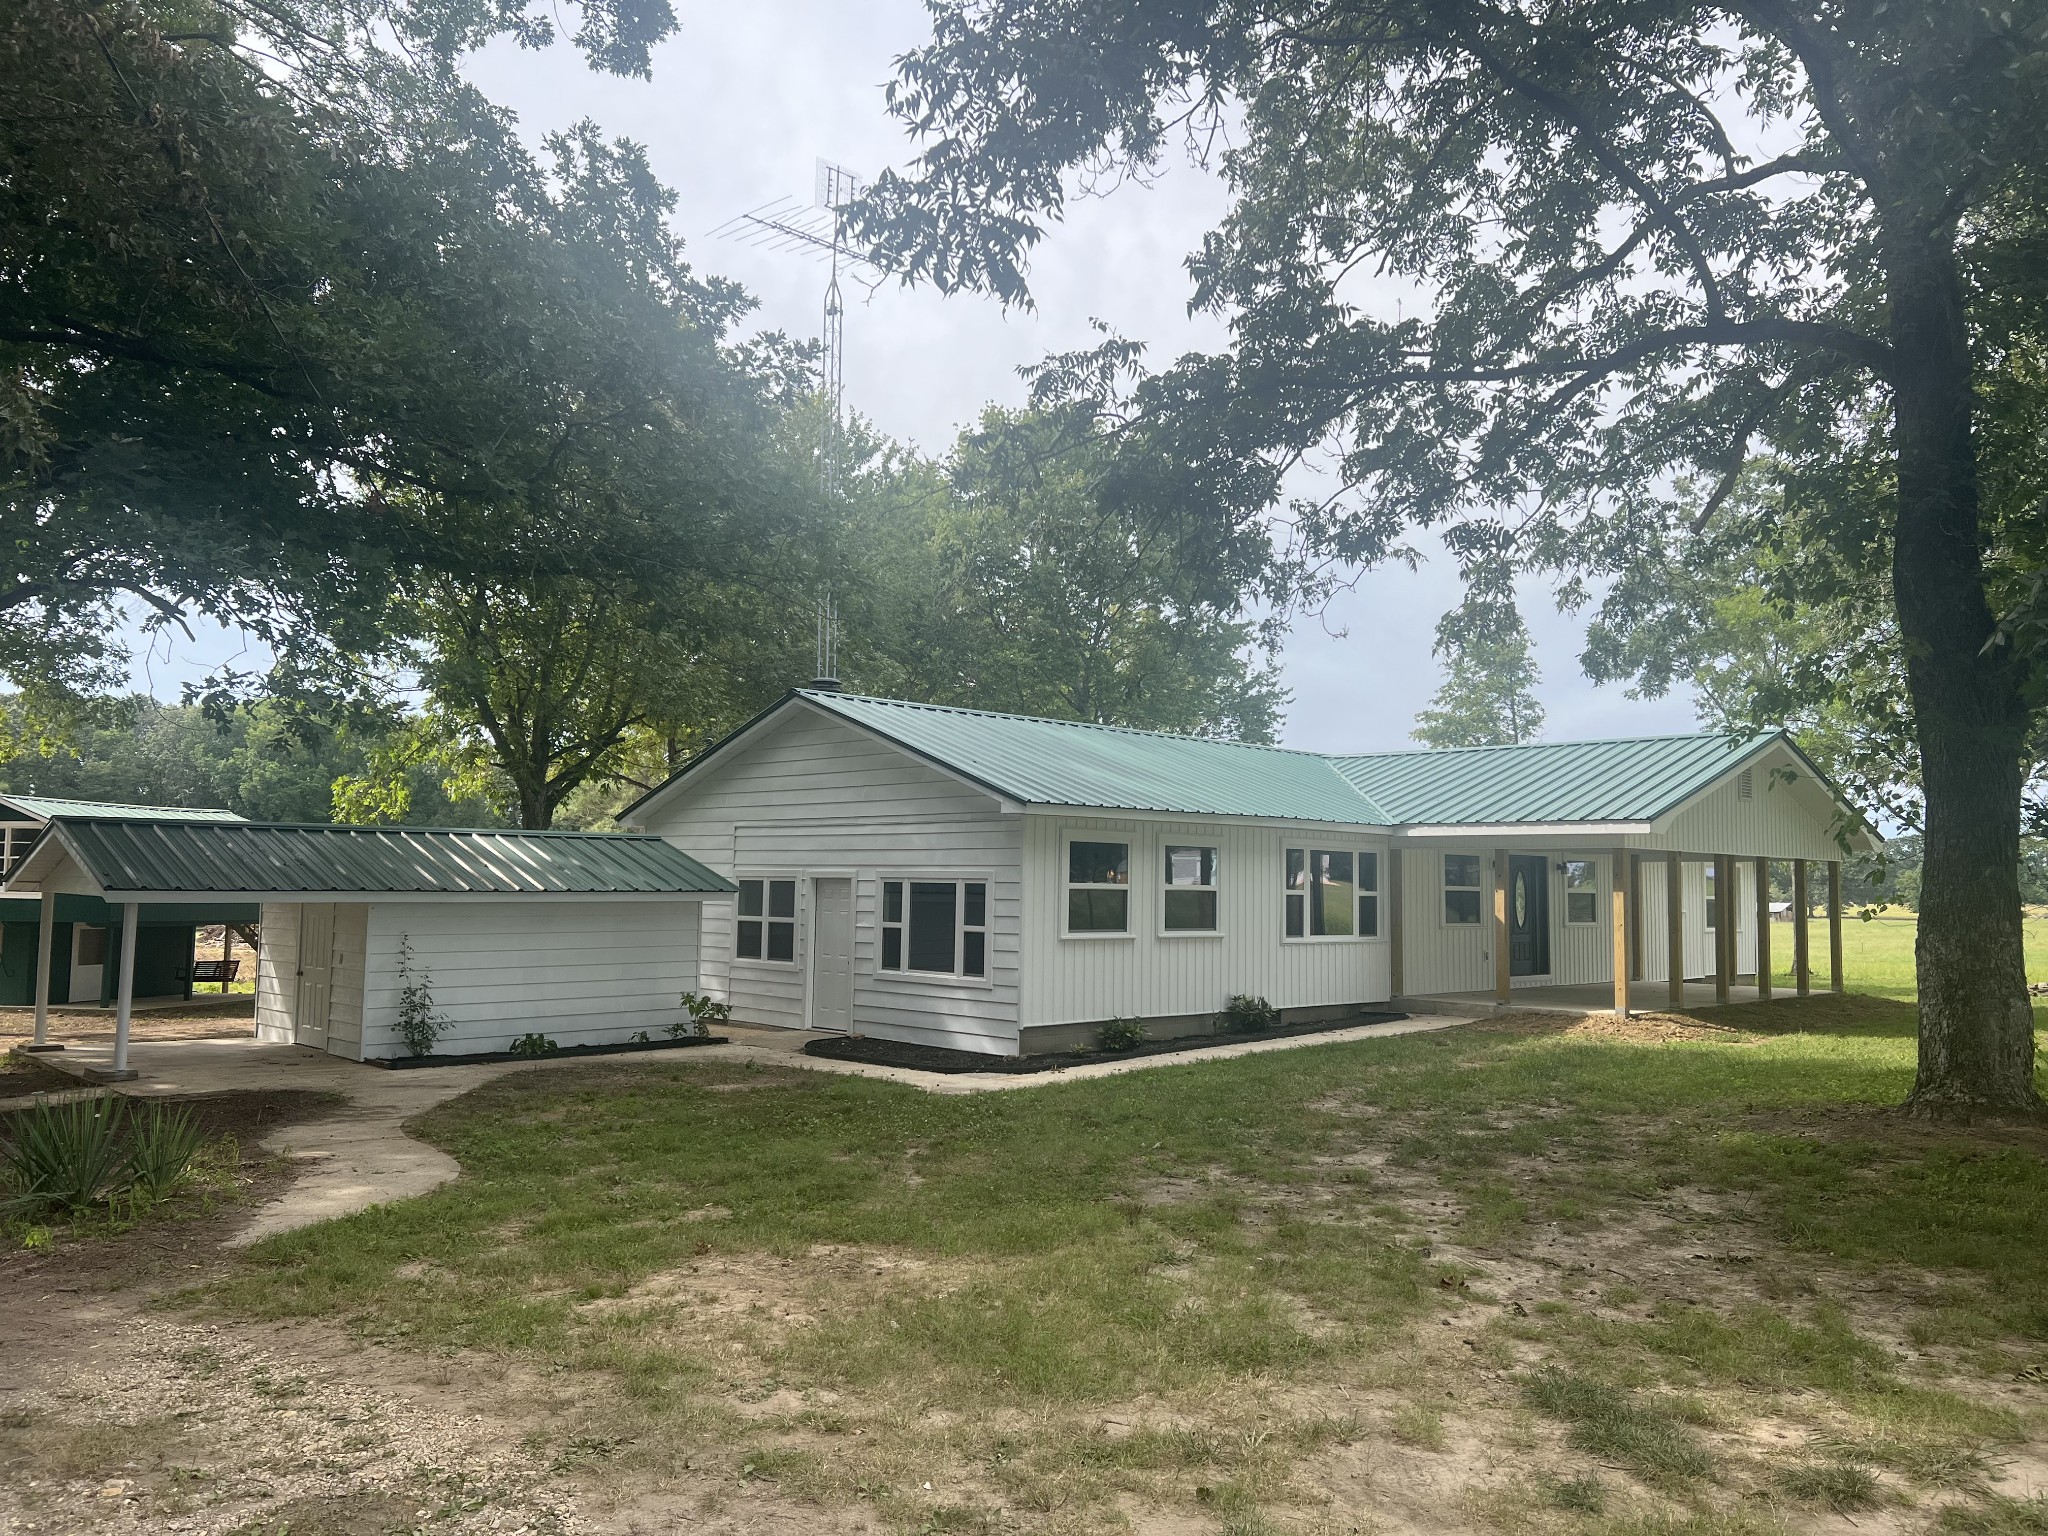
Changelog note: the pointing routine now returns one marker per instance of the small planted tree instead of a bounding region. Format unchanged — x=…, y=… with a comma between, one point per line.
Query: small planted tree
x=418, y=1025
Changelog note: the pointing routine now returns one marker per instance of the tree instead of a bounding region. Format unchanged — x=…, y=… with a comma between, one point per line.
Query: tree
x=1488, y=697
x=1010, y=578
x=1619, y=286
x=291, y=313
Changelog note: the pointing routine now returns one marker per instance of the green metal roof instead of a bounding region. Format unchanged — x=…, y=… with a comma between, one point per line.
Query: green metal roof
x=1568, y=781
x=1066, y=762
x=140, y=856
x=45, y=808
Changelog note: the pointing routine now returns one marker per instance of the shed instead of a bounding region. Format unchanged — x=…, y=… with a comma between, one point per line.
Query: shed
x=588, y=938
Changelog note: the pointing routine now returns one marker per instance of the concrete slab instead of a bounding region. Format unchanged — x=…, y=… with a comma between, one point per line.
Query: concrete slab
x=360, y=1156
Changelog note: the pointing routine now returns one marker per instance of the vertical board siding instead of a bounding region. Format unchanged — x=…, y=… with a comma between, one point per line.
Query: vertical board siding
x=1458, y=957
x=1779, y=820
x=817, y=796
x=1149, y=975
x=1699, y=942
x=345, y=994
x=277, y=967
x=581, y=973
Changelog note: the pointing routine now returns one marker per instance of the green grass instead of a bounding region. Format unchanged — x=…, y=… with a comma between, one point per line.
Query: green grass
x=1877, y=955
x=1231, y=1243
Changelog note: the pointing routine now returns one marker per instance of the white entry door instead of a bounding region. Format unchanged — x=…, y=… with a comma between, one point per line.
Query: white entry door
x=316, y=974
x=832, y=954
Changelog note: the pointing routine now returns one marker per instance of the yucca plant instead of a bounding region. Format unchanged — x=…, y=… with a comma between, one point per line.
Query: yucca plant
x=68, y=1156
x=162, y=1139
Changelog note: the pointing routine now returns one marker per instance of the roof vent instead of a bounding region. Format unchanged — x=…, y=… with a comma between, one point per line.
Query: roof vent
x=1745, y=781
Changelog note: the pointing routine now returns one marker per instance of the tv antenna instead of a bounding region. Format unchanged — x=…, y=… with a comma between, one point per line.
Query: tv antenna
x=827, y=679
x=817, y=230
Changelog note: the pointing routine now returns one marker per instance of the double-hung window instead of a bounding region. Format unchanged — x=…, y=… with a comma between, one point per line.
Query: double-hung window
x=1581, y=891
x=935, y=927
x=1188, y=904
x=1322, y=893
x=767, y=921
x=1368, y=895
x=1098, y=887
x=1461, y=888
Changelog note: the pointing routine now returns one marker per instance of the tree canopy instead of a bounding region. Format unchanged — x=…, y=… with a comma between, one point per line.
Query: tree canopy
x=1488, y=697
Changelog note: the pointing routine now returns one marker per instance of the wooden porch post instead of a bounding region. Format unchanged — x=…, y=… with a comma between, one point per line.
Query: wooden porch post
x=1624, y=930
x=1674, y=926
x=1763, y=930
x=1501, y=973
x=1835, y=983
x=1396, y=981
x=46, y=930
x=1802, y=969
x=1724, y=925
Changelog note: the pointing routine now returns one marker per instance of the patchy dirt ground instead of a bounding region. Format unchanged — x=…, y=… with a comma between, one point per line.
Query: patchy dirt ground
x=199, y=1021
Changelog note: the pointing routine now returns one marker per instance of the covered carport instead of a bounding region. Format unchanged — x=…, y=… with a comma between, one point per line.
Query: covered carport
x=585, y=936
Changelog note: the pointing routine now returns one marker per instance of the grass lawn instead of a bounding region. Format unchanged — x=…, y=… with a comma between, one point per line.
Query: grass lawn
x=1877, y=956
x=1671, y=1276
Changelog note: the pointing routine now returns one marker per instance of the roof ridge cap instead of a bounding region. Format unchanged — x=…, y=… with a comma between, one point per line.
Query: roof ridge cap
x=1583, y=741
x=1081, y=725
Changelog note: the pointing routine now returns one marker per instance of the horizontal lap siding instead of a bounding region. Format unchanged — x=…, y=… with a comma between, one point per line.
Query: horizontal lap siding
x=582, y=973
x=818, y=797
x=1148, y=975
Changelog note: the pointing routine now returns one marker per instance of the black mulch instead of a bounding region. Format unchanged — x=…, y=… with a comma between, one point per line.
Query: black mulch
x=938, y=1058
x=560, y=1053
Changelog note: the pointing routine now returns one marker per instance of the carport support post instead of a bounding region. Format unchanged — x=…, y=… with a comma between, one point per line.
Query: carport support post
x=1674, y=928
x=46, y=932
x=1501, y=973
x=131, y=931
x=1763, y=930
x=1802, y=964
x=1835, y=983
x=1724, y=925
x=1621, y=898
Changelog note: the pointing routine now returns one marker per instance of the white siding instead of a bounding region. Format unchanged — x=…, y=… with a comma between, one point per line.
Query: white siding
x=1150, y=975
x=1699, y=943
x=1778, y=819
x=814, y=796
x=579, y=972
x=277, y=966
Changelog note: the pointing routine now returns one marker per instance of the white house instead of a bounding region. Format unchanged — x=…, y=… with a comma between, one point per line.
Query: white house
x=1003, y=884
x=588, y=938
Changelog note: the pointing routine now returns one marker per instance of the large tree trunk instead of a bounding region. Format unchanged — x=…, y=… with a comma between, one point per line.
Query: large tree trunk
x=1976, y=1027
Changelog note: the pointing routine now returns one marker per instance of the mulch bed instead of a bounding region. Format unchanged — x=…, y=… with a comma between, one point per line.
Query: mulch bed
x=939, y=1058
x=560, y=1053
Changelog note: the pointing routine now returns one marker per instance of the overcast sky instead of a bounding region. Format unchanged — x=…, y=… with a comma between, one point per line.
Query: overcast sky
x=743, y=103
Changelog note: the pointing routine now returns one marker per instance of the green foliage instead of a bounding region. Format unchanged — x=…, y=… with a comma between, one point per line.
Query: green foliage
x=703, y=1012
x=1247, y=1015
x=68, y=1157
x=1121, y=1035
x=418, y=1025
x=71, y=1157
x=1842, y=1486
x=1994, y=1515
x=533, y=1045
x=1488, y=697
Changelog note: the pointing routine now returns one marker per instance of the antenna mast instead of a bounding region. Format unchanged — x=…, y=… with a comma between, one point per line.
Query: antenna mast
x=817, y=231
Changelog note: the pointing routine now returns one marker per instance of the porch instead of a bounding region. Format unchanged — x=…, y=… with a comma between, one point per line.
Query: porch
x=1587, y=997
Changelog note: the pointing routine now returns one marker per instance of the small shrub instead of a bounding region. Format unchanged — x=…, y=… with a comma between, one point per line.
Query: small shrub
x=164, y=1138
x=1245, y=1015
x=641, y=1037
x=418, y=1025
x=1121, y=1035
x=68, y=1157
x=703, y=1013
x=534, y=1045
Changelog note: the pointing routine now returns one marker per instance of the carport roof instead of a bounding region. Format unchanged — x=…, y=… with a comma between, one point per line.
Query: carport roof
x=143, y=857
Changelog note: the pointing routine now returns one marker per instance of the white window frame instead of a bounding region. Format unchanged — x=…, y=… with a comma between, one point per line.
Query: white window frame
x=1568, y=892
x=1358, y=852
x=794, y=920
x=1134, y=854
x=1215, y=884
x=959, y=879
x=1444, y=889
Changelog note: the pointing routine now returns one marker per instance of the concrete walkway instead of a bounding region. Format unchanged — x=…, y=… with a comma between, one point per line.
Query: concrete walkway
x=360, y=1155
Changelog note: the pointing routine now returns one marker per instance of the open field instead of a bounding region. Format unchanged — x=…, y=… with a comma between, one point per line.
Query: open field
x=1877, y=956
